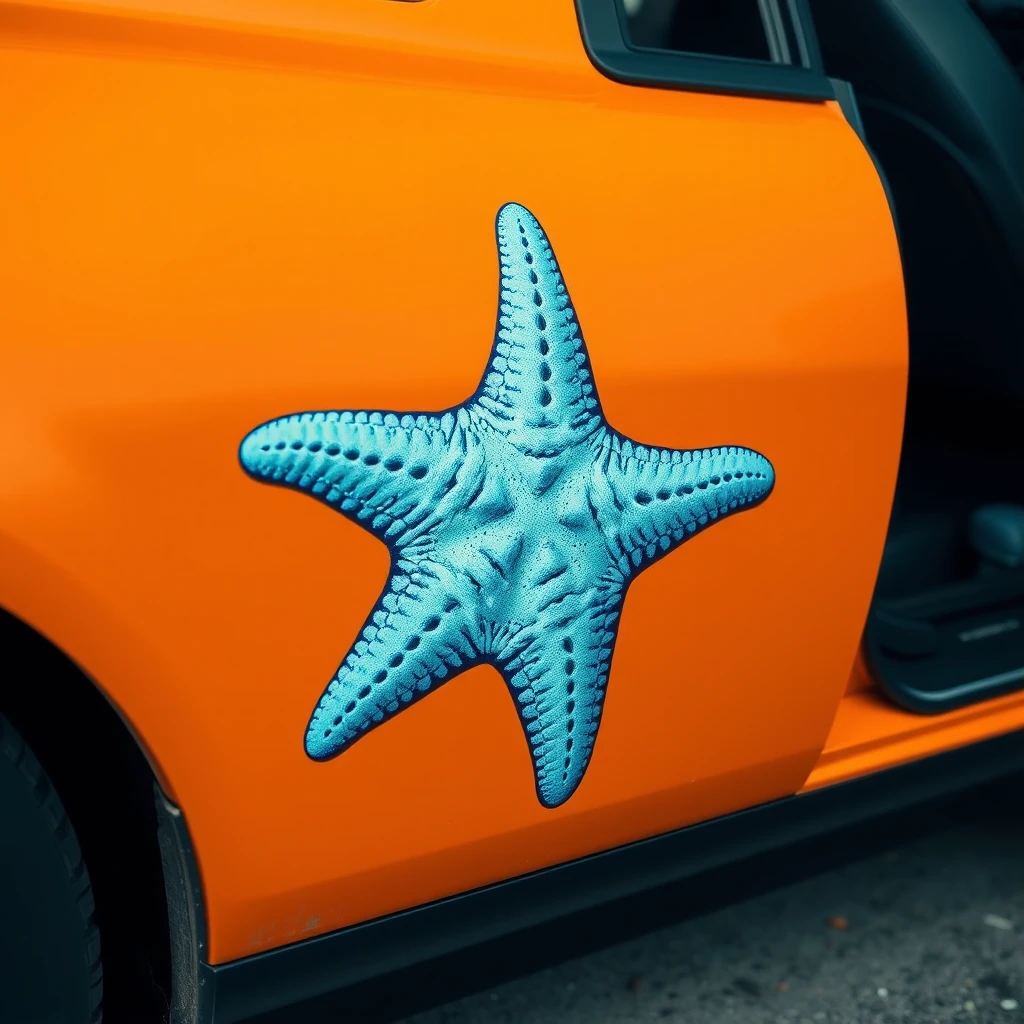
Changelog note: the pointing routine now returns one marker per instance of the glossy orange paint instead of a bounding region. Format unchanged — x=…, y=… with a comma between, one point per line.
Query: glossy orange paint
x=860, y=676
x=217, y=211
x=870, y=734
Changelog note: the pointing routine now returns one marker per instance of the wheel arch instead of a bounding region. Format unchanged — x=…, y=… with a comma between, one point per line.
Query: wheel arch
x=119, y=800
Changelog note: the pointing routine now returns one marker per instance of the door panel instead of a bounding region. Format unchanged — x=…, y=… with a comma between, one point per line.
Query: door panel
x=211, y=226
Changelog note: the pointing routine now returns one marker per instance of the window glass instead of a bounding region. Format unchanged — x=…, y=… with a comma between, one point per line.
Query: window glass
x=723, y=28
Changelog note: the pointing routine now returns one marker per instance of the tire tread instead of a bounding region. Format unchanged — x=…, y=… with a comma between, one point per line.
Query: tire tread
x=14, y=748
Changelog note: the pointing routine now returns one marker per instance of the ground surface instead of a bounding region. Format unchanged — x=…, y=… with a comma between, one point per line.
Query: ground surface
x=930, y=931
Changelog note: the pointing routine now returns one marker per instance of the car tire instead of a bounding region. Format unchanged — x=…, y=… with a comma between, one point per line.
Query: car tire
x=50, y=968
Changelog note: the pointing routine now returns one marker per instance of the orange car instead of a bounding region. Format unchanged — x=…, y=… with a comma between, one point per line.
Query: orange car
x=254, y=750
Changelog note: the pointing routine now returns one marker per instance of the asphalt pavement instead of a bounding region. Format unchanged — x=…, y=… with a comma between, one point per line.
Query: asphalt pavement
x=928, y=931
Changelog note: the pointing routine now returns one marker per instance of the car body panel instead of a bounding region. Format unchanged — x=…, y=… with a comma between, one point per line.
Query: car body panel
x=870, y=734
x=211, y=222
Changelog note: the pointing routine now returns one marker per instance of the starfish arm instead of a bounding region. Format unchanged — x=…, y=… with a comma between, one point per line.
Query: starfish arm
x=416, y=638
x=665, y=496
x=538, y=389
x=558, y=681
x=377, y=468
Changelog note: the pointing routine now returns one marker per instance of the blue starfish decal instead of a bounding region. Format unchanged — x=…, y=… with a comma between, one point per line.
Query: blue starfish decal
x=515, y=521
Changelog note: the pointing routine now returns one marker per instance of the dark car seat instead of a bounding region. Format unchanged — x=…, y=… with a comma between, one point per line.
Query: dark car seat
x=943, y=111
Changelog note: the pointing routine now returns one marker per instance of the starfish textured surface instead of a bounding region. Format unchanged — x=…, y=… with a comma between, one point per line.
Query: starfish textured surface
x=515, y=521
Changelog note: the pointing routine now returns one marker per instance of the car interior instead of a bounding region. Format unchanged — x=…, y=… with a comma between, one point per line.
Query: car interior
x=939, y=90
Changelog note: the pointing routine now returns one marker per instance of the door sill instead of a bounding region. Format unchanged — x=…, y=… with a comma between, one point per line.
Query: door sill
x=870, y=734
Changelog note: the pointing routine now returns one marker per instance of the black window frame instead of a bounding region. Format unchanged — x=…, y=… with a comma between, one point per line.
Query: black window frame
x=604, y=32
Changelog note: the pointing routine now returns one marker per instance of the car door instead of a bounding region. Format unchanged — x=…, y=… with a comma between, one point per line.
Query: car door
x=231, y=215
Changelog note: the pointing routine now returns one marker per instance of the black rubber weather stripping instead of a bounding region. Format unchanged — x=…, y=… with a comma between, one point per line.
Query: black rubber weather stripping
x=310, y=970
x=605, y=41
x=191, y=996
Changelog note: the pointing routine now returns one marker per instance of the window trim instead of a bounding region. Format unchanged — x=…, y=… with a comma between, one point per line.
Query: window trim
x=608, y=48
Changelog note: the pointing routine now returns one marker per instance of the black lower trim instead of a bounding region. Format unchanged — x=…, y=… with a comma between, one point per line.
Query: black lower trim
x=191, y=995
x=260, y=984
